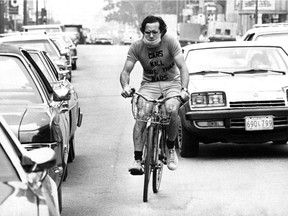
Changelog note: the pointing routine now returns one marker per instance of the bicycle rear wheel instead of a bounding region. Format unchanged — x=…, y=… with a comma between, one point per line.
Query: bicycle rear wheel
x=148, y=162
x=159, y=140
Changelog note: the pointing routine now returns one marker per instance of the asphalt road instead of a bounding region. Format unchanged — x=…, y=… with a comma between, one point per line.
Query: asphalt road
x=225, y=180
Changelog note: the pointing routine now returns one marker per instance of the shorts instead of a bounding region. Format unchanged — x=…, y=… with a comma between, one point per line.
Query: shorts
x=162, y=88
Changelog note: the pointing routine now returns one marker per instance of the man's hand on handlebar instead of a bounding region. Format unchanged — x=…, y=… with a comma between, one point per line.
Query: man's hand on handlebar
x=127, y=91
x=184, y=96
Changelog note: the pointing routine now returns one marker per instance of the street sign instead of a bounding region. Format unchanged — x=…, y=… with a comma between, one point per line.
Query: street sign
x=13, y=7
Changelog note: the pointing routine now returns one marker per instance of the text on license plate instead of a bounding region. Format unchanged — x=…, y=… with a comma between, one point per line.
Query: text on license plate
x=259, y=123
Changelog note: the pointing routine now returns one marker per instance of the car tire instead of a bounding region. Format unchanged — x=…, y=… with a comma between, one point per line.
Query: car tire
x=71, y=155
x=187, y=143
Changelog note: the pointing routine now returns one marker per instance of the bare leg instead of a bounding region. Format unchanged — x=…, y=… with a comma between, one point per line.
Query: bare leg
x=172, y=128
x=137, y=135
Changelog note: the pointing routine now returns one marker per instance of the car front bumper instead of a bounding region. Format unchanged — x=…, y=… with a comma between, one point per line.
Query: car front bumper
x=232, y=127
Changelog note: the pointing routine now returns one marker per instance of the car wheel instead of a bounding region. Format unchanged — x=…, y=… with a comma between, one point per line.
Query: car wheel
x=187, y=143
x=74, y=66
x=71, y=155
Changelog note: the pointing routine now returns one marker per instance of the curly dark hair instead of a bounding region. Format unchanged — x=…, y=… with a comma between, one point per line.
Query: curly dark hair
x=153, y=19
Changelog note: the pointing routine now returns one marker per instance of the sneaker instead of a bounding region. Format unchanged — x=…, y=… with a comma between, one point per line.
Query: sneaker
x=172, y=159
x=136, y=168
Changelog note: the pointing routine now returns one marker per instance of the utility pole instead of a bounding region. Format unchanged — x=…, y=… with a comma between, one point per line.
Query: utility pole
x=24, y=12
x=256, y=12
x=37, y=13
x=2, y=23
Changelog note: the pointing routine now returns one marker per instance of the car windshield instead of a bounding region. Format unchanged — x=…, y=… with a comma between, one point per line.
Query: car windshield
x=227, y=60
x=268, y=37
x=38, y=44
x=16, y=84
x=68, y=40
x=60, y=44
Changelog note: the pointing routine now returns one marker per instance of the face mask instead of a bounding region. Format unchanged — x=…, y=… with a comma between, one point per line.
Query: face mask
x=152, y=44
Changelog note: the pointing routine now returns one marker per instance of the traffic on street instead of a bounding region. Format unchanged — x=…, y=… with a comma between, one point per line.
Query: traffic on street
x=121, y=108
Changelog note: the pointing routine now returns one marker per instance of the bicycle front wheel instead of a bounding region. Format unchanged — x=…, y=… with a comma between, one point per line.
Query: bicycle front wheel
x=159, y=142
x=148, y=162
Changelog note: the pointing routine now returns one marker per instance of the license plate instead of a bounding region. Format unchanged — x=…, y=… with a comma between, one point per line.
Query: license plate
x=259, y=123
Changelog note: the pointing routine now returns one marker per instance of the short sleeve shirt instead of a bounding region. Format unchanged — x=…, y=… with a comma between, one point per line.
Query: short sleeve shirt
x=158, y=63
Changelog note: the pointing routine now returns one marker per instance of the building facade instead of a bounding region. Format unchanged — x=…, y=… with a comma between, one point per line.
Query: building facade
x=252, y=12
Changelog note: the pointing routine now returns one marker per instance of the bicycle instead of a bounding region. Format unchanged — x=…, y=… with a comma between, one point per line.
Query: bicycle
x=154, y=138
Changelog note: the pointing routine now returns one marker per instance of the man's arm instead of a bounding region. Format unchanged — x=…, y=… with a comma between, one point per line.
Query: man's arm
x=125, y=77
x=184, y=72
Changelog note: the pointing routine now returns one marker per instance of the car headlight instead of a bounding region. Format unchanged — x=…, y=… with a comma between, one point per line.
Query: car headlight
x=208, y=99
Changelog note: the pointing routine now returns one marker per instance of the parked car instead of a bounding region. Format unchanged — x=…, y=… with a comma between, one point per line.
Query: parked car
x=267, y=32
x=65, y=50
x=72, y=47
x=43, y=28
x=25, y=187
x=36, y=111
x=233, y=99
x=42, y=41
x=50, y=71
x=104, y=40
x=75, y=32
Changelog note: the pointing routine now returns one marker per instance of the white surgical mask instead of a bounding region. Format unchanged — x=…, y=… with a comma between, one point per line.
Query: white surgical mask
x=152, y=44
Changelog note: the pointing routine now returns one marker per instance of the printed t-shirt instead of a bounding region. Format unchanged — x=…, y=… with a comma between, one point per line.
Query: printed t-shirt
x=158, y=63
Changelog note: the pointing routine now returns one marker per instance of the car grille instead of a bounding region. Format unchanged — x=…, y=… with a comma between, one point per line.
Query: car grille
x=249, y=104
x=240, y=122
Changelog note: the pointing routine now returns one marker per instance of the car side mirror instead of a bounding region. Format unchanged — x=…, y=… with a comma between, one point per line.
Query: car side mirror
x=38, y=160
x=61, y=92
x=63, y=74
x=63, y=52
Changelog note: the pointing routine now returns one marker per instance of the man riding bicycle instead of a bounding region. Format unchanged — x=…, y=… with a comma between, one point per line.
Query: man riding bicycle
x=164, y=74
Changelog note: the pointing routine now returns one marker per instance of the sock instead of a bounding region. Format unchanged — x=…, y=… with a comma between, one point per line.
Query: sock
x=170, y=144
x=138, y=155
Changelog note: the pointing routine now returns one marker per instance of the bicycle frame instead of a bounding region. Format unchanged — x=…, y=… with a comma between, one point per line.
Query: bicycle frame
x=154, y=144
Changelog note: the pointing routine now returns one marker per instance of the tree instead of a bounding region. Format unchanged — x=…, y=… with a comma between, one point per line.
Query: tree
x=133, y=11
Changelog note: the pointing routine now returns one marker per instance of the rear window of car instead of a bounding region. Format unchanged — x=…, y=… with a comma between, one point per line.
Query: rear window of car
x=16, y=84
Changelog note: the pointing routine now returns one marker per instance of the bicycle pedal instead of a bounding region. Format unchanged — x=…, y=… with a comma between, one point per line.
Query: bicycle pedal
x=164, y=160
x=136, y=172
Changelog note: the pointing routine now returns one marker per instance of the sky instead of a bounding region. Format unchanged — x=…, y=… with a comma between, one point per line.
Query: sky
x=86, y=12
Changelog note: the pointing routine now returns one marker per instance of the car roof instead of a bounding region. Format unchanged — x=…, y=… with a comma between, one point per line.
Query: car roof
x=235, y=44
x=41, y=26
x=10, y=48
x=21, y=37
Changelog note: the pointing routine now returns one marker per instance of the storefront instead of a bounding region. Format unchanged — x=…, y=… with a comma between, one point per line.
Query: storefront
x=268, y=11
